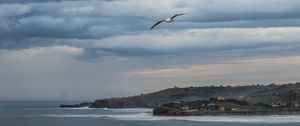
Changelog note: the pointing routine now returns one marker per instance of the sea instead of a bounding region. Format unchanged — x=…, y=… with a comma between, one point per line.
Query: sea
x=48, y=113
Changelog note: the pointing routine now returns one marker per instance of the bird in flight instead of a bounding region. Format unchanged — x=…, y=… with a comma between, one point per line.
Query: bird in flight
x=168, y=20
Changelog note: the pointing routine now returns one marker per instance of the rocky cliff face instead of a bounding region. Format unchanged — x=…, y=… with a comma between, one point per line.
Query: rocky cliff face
x=155, y=99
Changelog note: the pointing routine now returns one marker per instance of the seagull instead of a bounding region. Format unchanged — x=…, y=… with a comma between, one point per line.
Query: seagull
x=168, y=20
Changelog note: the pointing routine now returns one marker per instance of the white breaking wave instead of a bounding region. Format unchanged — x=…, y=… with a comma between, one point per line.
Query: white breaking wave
x=135, y=110
x=86, y=107
x=146, y=115
x=138, y=116
x=243, y=119
x=149, y=117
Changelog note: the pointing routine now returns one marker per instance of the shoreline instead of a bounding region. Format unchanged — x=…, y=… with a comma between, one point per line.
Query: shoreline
x=237, y=113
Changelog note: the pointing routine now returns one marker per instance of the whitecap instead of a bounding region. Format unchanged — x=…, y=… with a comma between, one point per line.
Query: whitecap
x=134, y=110
x=238, y=119
x=137, y=116
x=149, y=117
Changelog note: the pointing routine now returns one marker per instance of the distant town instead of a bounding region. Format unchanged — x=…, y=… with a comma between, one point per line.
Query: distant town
x=221, y=106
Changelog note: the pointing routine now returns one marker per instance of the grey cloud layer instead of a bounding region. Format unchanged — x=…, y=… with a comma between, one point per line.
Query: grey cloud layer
x=58, y=19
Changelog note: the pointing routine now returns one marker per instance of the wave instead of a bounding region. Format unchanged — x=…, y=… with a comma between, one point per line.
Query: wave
x=149, y=117
x=136, y=110
x=241, y=119
x=133, y=110
x=145, y=114
x=57, y=108
x=137, y=116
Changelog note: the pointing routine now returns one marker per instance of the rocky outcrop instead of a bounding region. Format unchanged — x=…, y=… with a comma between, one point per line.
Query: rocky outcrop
x=84, y=104
x=168, y=111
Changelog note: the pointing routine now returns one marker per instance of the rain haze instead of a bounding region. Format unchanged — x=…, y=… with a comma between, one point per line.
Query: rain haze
x=90, y=49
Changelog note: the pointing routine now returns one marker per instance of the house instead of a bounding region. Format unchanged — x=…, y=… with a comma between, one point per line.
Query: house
x=279, y=104
x=220, y=98
x=274, y=105
x=210, y=104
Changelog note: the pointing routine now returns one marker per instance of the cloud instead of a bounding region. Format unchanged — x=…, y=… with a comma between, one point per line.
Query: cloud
x=7, y=10
x=38, y=52
x=221, y=69
x=85, y=20
x=264, y=40
x=35, y=1
x=271, y=69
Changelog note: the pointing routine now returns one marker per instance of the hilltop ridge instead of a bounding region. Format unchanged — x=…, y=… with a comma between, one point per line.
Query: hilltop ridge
x=253, y=93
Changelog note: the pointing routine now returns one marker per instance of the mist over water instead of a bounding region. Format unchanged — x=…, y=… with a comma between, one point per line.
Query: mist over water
x=47, y=113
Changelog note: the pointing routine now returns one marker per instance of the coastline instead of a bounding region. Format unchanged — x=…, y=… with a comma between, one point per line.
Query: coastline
x=210, y=101
x=236, y=113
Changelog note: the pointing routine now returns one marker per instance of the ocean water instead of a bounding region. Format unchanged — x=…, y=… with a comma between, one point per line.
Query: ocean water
x=47, y=113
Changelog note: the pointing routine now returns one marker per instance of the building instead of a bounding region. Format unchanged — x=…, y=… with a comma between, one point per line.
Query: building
x=220, y=98
x=274, y=105
x=210, y=104
x=279, y=104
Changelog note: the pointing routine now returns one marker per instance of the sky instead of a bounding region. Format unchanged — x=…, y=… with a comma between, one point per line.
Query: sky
x=92, y=49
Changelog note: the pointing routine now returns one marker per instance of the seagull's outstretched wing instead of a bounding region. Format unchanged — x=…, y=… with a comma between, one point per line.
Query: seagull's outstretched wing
x=177, y=15
x=157, y=23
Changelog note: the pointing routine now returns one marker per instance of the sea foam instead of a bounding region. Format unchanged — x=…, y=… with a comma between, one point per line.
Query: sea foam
x=146, y=115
